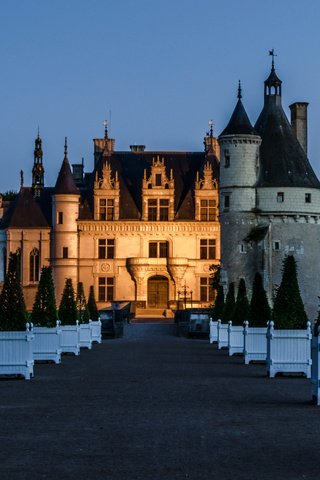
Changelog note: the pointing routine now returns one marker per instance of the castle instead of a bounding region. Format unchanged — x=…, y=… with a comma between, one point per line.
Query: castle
x=146, y=226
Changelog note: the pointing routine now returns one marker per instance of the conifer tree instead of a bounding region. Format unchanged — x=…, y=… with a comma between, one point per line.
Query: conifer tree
x=68, y=308
x=92, y=306
x=241, y=309
x=13, y=314
x=259, y=311
x=229, y=305
x=44, y=312
x=219, y=304
x=288, y=311
x=82, y=308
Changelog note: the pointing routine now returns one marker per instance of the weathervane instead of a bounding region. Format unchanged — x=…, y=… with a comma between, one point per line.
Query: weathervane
x=210, y=123
x=105, y=124
x=271, y=52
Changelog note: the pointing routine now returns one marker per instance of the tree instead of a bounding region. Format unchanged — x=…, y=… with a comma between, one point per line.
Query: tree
x=68, y=308
x=13, y=314
x=44, y=312
x=82, y=308
x=259, y=311
x=92, y=306
x=241, y=309
x=229, y=305
x=288, y=310
x=219, y=304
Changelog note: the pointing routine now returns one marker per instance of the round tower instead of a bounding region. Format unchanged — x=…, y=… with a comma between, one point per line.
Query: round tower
x=239, y=165
x=65, y=212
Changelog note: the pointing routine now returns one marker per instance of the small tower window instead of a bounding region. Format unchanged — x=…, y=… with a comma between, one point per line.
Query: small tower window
x=280, y=197
x=60, y=218
x=307, y=197
x=226, y=202
x=276, y=245
x=226, y=159
x=65, y=252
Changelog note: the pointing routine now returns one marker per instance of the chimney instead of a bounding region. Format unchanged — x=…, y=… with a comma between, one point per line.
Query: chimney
x=299, y=123
x=137, y=148
x=77, y=172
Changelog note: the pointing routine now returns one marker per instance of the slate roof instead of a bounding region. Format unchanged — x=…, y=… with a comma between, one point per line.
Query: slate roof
x=65, y=183
x=131, y=166
x=283, y=162
x=239, y=123
x=24, y=212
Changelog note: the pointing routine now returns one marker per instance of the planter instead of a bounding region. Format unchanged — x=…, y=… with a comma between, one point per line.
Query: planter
x=47, y=343
x=288, y=351
x=95, y=330
x=235, y=339
x=315, y=371
x=16, y=353
x=85, y=339
x=255, y=343
x=213, y=331
x=70, y=339
x=222, y=335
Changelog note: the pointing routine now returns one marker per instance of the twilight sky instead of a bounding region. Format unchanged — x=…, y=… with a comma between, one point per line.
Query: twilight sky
x=160, y=69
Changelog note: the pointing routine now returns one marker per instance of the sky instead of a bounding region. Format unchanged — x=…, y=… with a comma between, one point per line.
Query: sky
x=158, y=71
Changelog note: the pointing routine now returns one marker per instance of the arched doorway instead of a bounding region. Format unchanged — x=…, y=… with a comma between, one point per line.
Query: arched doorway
x=158, y=292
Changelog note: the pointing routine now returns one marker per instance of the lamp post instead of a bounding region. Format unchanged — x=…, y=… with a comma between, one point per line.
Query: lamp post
x=185, y=293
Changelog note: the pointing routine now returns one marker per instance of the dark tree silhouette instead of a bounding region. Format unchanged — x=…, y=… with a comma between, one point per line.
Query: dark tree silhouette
x=92, y=306
x=68, y=308
x=241, y=309
x=44, y=312
x=229, y=305
x=259, y=311
x=82, y=308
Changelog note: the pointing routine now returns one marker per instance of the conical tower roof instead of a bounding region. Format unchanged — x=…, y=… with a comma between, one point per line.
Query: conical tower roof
x=65, y=183
x=25, y=212
x=239, y=123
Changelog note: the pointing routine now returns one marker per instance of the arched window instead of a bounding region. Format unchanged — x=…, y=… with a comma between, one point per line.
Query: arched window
x=34, y=265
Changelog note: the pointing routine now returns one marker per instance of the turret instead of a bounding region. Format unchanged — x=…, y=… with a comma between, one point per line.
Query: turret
x=37, y=170
x=65, y=211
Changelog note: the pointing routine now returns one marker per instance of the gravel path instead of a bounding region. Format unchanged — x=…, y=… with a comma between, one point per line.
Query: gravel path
x=155, y=406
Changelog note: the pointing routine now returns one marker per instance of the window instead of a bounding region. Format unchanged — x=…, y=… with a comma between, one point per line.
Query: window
x=226, y=159
x=60, y=218
x=158, y=209
x=106, y=289
x=208, y=210
x=243, y=247
x=106, y=209
x=206, y=290
x=158, y=250
x=65, y=252
x=307, y=197
x=276, y=245
x=34, y=266
x=226, y=201
x=280, y=197
x=207, y=249
x=158, y=179
x=106, y=248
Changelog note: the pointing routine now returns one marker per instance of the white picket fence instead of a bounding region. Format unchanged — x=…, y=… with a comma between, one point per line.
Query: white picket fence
x=255, y=343
x=16, y=353
x=222, y=335
x=288, y=351
x=47, y=343
x=235, y=339
x=213, y=331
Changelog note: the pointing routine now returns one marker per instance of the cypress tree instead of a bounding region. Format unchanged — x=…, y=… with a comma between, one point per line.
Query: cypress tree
x=259, y=311
x=229, y=305
x=219, y=304
x=68, y=308
x=241, y=309
x=13, y=314
x=288, y=311
x=92, y=306
x=82, y=308
x=44, y=312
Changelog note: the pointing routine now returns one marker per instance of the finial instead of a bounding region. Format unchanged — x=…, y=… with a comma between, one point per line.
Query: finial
x=21, y=178
x=211, y=127
x=105, y=124
x=239, y=90
x=65, y=148
x=271, y=52
x=38, y=136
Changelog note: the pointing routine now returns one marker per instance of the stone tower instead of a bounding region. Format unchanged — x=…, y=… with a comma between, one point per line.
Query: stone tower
x=37, y=170
x=275, y=212
x=65, y=212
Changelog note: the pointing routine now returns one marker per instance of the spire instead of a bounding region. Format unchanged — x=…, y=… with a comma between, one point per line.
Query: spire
x=65, y=183
x=272, y=86
x=37, y=170
x=239, y=123
x=105, y=123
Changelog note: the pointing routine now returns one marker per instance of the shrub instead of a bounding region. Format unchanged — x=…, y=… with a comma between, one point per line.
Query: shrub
x=219, y=304
x=92, y=306
x=44, y=312
x=241, y=309
x=13, y=314
x=68, y=308
x=229, y=305
x=259, y=311
x=82, y=308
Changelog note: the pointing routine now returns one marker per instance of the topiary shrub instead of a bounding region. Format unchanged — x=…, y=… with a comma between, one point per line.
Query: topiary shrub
x=44, y=312
x=241, y=309
x=259, y=311
x=219, y=304
x=13, y=314
x=288, y=310
x=92, y=306
x=229, y=305
x=68, y=309
x=82, y=308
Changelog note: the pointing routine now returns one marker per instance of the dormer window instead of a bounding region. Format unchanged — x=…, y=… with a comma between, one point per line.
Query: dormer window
x=280, y=197
x=106, y=195
x=307, y=197
x=106, y=209
x=158, y=179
